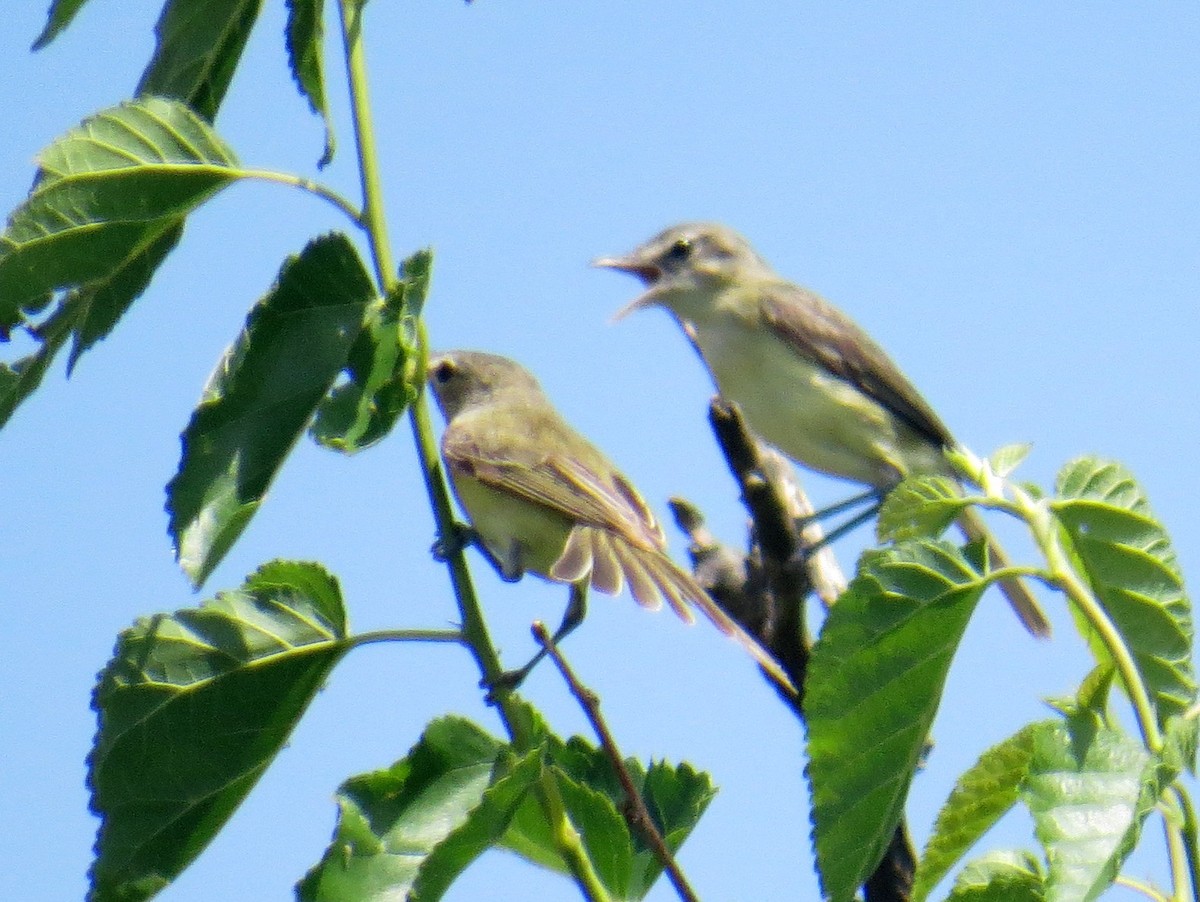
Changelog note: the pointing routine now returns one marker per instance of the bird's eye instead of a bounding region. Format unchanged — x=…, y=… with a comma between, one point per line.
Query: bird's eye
x=679, y=251
x=443, y=372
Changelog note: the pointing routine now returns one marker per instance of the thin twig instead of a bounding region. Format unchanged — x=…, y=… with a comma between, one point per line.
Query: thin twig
x=634, y=809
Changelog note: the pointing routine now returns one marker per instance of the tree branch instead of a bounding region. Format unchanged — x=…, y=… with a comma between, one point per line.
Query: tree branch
x=765, y=588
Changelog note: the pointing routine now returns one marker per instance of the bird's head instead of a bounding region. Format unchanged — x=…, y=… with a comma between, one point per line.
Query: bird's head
x=694, y=259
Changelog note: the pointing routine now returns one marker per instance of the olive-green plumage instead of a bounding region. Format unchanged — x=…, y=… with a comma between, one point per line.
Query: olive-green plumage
x=807, y=378
x=544, y=499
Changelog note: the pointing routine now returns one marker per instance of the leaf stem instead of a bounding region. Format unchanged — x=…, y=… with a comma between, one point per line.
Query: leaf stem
x=1188, y=839
x=1062, y=575
x=1141, y=887
x=407, y=636
x=306, y=184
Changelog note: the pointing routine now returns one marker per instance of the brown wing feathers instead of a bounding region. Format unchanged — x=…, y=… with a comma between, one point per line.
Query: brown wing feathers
x=609, y=560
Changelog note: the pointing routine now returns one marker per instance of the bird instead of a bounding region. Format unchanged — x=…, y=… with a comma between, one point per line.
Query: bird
x=807, y=378
x=543, y=499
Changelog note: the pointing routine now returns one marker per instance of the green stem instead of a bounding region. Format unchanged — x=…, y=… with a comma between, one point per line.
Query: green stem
x=1063, y=575
x=474, y=631
x=407, y=636
x=1142, y=887
x=1190, y=850
x=306, y=184
x=1066, y=578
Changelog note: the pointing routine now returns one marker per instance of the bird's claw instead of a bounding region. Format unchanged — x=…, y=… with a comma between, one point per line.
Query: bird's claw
x=452, y=542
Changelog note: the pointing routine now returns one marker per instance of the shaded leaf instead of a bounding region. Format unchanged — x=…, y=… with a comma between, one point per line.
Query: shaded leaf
x=1089, y=788
x=982, y=795
x=606, y=836
x=381, y=375
x=61, y=14
x=199, y=45
x=192, y=708
x=262, y=396
x=305, y=56
x=23, y=377
x=409, y=830
x=920, y=507
x=108, y=206
x=1132, y=568
x=1000, y=877
x=874, y=683
x=1091, y=698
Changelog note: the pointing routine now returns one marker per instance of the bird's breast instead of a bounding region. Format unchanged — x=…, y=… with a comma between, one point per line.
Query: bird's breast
x=815, y=417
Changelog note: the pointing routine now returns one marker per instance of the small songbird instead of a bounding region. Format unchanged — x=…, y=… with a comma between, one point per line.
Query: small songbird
x=542, y=499
x=806, y=377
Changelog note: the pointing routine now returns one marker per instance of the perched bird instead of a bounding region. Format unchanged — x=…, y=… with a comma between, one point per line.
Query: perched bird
x=543, y=499
x=806, y=377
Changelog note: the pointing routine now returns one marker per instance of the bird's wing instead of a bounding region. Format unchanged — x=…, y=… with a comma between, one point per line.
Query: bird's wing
x=556, y=480
x=820, y=332
x=616, y=538
x=653, y=577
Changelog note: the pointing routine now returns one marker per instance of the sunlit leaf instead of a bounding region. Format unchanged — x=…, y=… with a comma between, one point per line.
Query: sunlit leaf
x=1000, y=877
x=262, y=396
x=920, y=507
x=983, y=795
x=193, y=707
x=1089, y=789
x=874, y=683
x=109, y=203
x=1132, y=568
x=1006, y=459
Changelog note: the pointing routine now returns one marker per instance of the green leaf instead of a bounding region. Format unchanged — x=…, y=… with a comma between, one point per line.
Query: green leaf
x=193, y=707
x=1004, y=460
x=108, y=206
x=261, y=397
x=874, y=683
x=381, y=378
x=1181, y=739
x=920, y=507
x=409, y=830
x=983, y=795
x=1132, y=568
x=1089, y=788
x=61, y=14
x=305, y=55
x=199, y=45
x=605, y=833
x=20, y=380
x=1000, y=877
x=675, y=796
x=1091, y=698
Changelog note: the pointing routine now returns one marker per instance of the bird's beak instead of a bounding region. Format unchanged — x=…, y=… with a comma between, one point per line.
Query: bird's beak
x=648, y=273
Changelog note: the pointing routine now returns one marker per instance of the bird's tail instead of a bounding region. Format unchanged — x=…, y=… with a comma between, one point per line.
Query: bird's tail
x=608, y=562
x=1017, y=593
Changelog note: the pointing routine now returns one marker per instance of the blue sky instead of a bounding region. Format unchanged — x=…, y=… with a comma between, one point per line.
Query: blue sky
x=1005, y=196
